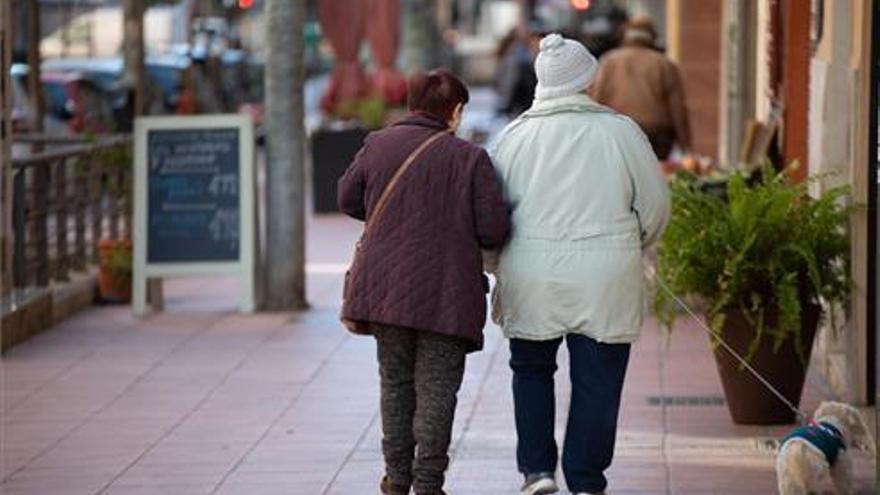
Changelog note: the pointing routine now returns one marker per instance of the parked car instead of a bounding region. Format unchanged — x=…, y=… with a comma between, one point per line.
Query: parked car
x=107, y=73
x=164, y=71
x=104, y=72
x=73, y=103
x=238, y=76
x=78, y=100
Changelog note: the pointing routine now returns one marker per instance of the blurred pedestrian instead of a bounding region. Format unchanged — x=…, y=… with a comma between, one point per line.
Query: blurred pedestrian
x=587, y=198
x=639, y=81
x=515, y=78
x=202, y=76
x=187, y=101
x=431, y=201
x=602, y=33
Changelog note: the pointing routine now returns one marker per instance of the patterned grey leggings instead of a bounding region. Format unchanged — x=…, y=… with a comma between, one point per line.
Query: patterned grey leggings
x=421, y=373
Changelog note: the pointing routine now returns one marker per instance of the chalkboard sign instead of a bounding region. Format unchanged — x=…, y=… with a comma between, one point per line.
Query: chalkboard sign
x=193, y=195
x=194, y=201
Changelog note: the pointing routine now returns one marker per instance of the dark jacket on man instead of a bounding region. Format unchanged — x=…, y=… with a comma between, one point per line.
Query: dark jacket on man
x=420, y=265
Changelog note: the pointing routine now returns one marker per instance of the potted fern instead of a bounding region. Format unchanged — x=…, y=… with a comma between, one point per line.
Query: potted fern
x=768, y=262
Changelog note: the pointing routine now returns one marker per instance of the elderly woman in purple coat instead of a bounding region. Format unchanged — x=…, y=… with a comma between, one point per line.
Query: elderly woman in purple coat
x=432, y=202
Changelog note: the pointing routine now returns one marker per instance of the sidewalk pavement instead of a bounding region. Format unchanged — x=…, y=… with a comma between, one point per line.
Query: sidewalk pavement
x=200, y=399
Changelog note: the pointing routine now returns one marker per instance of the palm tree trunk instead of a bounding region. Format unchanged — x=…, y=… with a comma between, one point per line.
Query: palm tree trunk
x=284, y=276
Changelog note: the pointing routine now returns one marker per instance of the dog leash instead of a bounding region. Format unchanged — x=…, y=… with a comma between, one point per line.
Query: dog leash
x=801, y=416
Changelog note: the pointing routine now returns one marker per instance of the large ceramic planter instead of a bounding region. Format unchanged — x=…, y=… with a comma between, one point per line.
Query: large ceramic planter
x=332, y=152
x=114, y=286
x=748, y=400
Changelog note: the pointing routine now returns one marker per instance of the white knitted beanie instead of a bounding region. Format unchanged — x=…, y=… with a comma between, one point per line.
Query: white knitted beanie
x=564, y=67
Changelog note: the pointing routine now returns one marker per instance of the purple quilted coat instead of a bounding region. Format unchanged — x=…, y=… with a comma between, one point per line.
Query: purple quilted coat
x=420, y=265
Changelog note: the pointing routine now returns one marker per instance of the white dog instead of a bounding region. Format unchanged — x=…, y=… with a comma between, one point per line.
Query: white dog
x=813, y=453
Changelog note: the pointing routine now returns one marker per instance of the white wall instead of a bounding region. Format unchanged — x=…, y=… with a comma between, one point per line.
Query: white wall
x=834, y=148
x=160, y=32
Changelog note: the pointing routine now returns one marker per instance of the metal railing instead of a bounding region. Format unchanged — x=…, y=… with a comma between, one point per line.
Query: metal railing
x=68, y=193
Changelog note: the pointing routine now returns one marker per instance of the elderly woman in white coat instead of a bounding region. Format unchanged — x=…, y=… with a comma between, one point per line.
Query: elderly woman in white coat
x=587, y=199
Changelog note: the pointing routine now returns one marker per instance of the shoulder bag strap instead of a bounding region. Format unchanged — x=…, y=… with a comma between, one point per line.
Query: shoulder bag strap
x=383, y=199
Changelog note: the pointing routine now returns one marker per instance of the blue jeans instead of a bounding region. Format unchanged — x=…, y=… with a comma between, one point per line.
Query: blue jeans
x=597, y=374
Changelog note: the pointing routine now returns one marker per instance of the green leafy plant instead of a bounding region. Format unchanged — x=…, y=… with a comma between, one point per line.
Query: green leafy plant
x=762, y=246
x=371, y=111
x=115, y=165
x=119, y=265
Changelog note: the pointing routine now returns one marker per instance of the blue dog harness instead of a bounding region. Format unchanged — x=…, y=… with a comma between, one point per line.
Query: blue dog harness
x=822, y=435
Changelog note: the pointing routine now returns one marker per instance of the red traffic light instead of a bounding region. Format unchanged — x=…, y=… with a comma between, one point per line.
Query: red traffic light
x=245, y=4
x=581, y=4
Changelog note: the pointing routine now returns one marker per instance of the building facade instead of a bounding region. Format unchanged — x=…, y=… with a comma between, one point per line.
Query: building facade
x=811, y=65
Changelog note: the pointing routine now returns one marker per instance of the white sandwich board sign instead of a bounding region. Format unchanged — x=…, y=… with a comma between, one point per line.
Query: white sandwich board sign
x=193, y=203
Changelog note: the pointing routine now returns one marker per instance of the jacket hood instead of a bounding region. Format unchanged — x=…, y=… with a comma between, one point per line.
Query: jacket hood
x=579, y=103
x=573, y=103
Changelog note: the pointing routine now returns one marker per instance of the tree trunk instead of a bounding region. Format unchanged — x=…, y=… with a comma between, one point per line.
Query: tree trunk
x=35, y=87
x=422, y=47
x=65, y=29
x=37, y=229
x=133, y=53
x=6, y=41
x=285, y=223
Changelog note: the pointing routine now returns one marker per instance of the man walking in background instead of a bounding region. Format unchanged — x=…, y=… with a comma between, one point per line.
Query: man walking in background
x=639, y=81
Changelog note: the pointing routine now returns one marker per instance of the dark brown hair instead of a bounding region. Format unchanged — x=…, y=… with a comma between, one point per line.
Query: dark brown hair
x=437, y=93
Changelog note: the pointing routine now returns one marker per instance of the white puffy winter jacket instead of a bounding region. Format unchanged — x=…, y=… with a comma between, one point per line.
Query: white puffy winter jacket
x=587, y=198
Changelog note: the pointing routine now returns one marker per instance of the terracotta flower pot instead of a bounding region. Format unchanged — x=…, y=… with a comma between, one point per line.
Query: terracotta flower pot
x=748, y=400
x=114, y=283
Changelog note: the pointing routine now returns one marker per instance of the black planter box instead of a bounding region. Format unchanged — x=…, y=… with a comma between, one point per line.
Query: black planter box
x=332, y=152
